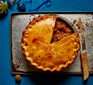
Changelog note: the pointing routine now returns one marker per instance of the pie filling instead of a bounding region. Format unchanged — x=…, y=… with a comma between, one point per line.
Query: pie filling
x=49, y=43
x=61, y=30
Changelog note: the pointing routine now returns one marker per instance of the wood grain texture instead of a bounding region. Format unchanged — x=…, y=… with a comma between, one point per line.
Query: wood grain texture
x=85, y=67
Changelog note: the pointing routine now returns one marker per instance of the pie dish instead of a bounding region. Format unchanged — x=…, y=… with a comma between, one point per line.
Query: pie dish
x=49, y=44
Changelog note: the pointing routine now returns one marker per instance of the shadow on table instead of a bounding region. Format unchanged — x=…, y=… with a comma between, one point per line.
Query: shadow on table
x=55, y=79
x=51, y=79
x=2, y=16
x=48, y=79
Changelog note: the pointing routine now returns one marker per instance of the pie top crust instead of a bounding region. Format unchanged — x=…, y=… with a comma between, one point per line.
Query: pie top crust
x=40, y=52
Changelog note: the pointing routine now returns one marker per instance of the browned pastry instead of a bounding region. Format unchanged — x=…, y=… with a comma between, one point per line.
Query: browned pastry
x=40, y=52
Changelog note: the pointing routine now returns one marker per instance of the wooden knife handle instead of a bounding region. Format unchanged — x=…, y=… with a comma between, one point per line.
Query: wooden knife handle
x=85, y=67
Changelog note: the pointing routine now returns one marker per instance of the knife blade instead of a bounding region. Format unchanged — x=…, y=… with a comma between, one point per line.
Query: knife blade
x=84, y=60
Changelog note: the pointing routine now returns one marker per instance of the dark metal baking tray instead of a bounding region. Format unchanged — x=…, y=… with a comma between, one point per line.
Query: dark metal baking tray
x=18, y=23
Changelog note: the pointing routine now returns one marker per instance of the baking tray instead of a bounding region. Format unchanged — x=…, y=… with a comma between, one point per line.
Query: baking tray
x=19, y=21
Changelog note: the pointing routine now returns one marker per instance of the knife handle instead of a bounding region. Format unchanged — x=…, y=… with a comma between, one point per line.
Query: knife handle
x=85, y=67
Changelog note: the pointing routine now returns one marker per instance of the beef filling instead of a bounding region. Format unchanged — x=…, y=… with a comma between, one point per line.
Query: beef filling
x=61, y=30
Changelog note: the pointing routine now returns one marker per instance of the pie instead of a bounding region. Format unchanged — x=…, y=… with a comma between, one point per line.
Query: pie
x=49, y=44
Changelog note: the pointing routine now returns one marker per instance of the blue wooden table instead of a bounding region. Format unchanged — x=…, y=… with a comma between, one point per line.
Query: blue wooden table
x=39, y=79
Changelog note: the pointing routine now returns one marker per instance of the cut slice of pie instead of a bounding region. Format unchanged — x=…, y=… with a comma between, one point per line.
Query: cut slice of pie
x=38, y=49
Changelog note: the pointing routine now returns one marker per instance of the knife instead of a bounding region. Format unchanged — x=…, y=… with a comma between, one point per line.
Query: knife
x=84, y=61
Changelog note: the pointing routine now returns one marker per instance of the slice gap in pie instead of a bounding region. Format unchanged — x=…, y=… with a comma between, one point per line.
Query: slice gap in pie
x=49, y=44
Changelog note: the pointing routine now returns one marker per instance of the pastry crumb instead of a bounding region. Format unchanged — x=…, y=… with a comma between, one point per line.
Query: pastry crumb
x=17, y=77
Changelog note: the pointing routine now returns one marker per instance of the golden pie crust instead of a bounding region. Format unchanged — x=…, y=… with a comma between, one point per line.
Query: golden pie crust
x=40, y=52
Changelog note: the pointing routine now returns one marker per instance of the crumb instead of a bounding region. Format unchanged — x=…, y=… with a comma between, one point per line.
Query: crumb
x=87, y=24
x=17, y=77
x=74, y=21
x=79, y=23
